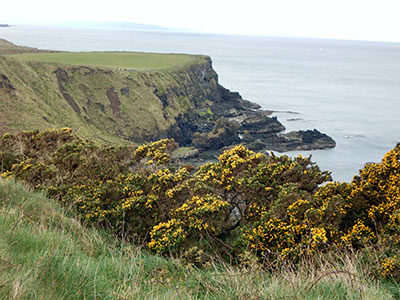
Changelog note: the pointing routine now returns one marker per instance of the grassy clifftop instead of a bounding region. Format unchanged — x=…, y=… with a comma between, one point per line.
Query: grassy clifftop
x=122, y=60
x=108, y=97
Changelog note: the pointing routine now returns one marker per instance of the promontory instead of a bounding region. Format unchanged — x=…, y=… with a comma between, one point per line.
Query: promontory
x=131, y=98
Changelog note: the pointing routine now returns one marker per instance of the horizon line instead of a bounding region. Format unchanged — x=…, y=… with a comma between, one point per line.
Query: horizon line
x=97, y=25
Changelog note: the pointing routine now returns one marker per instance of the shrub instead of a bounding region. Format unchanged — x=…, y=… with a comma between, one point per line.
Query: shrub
x=273, y=206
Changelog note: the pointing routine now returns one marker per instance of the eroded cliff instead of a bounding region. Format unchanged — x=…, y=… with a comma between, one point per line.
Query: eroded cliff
x=126, y=106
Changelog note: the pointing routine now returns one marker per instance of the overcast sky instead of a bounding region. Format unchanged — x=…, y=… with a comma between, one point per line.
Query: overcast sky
x=344, y=19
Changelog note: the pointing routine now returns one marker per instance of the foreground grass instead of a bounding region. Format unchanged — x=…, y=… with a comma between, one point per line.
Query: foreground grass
x=47, y=254
x=125, y=60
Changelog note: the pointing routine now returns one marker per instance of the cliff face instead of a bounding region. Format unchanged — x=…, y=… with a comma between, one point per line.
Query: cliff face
x=100, y=103
x=121, y=106
x=107, y=103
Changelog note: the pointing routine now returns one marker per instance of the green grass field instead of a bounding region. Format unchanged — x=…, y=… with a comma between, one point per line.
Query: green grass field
x=125, y=60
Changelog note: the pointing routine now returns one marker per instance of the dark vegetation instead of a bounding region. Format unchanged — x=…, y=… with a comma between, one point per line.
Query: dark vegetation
x=245, y=207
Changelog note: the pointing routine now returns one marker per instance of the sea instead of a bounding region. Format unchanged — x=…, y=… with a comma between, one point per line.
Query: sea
x=349, y=90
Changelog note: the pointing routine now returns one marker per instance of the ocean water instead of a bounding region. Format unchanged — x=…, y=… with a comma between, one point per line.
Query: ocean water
x=349, y=90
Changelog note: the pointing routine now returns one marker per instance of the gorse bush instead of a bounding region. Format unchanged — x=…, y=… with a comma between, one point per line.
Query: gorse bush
x=223, y=203
x=47, y=254
x=57, y=159
x=272, y=206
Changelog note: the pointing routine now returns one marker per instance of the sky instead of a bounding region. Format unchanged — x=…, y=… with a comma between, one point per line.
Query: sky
x=376, y=20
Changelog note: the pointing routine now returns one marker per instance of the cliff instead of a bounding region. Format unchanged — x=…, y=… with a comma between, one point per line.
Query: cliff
x=117, y=105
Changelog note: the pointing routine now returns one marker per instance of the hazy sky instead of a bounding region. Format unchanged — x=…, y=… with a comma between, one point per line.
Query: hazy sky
x=347, y=19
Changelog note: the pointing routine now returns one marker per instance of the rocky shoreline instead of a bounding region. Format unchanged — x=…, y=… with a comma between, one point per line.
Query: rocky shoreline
x=231, y=120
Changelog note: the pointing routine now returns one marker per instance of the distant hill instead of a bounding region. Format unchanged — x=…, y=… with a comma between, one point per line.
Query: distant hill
x=128, y=25
x=114, y=25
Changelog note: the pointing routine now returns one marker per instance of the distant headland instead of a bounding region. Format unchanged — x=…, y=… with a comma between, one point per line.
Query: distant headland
x=4, y=25
x=132, y=98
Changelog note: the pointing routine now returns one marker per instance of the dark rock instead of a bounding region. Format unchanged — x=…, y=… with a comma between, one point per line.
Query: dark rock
x=100, y=106
x=162, y=96
x=224, y=133
x=5, y=83
x=186, y=125
x=300, y=140
x=247, y=137
x=61, y=75
x=250, y=105
x=257, y=146
x=261, y=124
x=125, y=92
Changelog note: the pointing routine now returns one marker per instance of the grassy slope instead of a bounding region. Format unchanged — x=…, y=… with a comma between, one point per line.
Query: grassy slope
x=7, y=47
x=37, y=102
x=46, y=254
x=126, y=60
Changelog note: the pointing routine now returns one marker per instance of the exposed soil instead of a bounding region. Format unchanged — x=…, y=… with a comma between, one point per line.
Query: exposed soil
x=62, y=77
x=114, y=101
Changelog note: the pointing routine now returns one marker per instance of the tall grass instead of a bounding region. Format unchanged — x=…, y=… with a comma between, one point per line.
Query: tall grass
x=47, y=254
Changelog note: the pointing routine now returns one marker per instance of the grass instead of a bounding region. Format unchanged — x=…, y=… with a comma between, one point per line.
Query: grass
x=47, y=254
x=6, y=44
x=35, y=102
x=7, y=47
x=33, y=99
x=39, y=104
x=125, y=60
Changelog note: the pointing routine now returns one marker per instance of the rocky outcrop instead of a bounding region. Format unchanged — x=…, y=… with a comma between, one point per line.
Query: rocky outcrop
x=295, y=140
x=212, y=102
x=5, y=83
x=222, y=118
x=224, y=133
